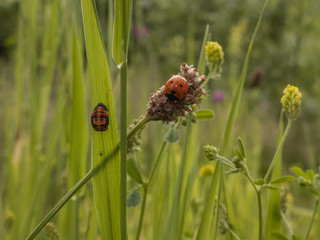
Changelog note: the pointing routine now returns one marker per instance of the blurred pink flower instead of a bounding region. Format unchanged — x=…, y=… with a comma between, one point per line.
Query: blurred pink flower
x=140, y=32
x=218, y=96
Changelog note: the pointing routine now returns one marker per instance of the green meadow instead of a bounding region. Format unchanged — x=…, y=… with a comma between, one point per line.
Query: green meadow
x=227, y=149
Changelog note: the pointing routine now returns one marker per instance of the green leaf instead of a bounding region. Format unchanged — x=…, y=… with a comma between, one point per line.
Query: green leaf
x=260, y=181
x=122, y=24
x=279, y=236
x=204, y=114
x=133, y=170
x=310, y=175
x=299, y=172
x=172, y=135
x=133, y=198
x=283, y=179
x=272, y=187
x=241, y=148
x=106, y=183
x=237, y=153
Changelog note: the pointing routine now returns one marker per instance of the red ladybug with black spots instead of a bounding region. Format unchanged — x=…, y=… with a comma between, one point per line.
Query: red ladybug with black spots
x=176, y=88
x=100, y=118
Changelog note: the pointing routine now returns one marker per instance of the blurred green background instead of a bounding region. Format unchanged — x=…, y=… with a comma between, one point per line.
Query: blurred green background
x=36, y=90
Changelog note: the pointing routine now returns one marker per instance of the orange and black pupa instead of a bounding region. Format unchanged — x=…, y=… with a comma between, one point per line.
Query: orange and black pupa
x=100, y=118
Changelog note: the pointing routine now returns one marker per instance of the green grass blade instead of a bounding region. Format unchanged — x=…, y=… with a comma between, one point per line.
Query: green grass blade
x=122, y=24
x=202, y=60
x=237, y=97
x=79, y=120
x=173, y=225
x=273, y=220
x=207, y=226
x=106, y=184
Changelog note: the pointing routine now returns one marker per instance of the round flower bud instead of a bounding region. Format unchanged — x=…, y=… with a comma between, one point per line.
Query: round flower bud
x=211, y=152
x=214, y=58
x=291, y=101
x=206, y=171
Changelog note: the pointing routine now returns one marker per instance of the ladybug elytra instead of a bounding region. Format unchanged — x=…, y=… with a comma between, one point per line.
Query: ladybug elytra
x=100, y=118
x=176, y=88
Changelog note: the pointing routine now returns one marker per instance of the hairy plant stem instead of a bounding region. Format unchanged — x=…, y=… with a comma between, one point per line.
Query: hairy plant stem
x=139, y=125
x=80, y=184
x=279, y=148
x=258, y=193
x=232, y=233
x=312, y=219
x=283, y=216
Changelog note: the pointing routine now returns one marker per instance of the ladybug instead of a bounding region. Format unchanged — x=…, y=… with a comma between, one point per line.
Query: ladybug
x=100, y=118
x=176, y=88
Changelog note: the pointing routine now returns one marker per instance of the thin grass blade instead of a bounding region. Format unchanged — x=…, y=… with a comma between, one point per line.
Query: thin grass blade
x=273, y=220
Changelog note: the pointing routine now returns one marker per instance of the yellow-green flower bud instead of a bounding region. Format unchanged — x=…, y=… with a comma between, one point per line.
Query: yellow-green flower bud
x=206, y=171
x=291, y=101
x=211, y=152
x=214, y=58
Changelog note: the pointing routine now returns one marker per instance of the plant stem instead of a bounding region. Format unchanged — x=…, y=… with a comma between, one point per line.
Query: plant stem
x=123, y=151
x=312, y=219
x=286, y=223
x=233, y=233
x=279, y=148
x=164, y=143
x=258, y=192
x=145, y=188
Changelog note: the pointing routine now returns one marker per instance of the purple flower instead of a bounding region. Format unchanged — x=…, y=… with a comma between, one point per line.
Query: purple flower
x=218, y=96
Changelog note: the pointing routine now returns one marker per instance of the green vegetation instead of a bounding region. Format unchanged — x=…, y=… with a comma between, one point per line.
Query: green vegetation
x=235, y=158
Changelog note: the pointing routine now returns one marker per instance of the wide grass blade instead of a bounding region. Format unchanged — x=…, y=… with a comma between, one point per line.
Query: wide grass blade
x=106, y=184
x=122, y=24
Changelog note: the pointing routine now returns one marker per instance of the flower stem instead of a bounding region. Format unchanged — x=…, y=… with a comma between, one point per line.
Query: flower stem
x=312, y=219
x=278, y=151
x=258, y=192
